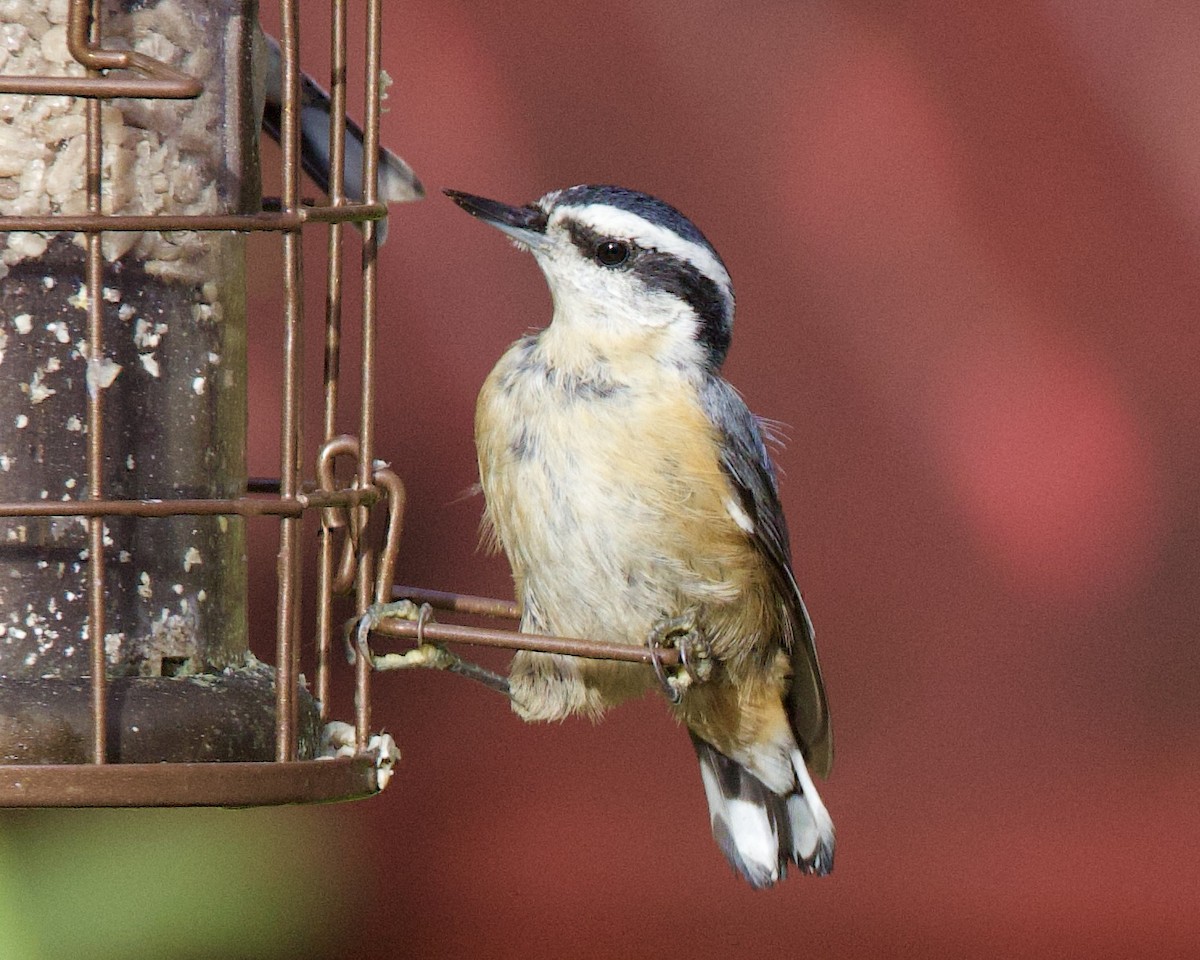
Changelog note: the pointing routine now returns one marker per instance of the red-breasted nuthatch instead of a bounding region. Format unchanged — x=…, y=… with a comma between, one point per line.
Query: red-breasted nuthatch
x=632, y=491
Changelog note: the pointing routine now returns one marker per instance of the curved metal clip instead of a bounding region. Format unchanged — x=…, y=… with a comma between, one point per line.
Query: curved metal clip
x=424, y=615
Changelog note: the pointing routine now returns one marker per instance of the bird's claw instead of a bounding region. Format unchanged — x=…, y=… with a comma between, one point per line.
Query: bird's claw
x=424, y=654
x=433, y=656
x=695, y=655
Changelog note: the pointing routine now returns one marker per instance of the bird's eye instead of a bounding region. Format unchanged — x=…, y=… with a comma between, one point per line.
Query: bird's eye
x=611, y=253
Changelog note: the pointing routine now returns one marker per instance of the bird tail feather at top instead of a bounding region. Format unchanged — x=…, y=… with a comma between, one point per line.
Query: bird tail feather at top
x=759, y=831
x=395, y=180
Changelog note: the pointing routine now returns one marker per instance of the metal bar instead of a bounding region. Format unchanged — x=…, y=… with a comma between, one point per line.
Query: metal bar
x=512, y=640
x=372, y=115
x=327, y=579
x=370, y=251
x=459, y=602
x=235, y=784
x=333, y=292
x=337, y=105
x=333, y=336
x=325, y=560
x=296, y=507
x=326, y=214
x=94, y=268
x=166, y=85
x=271, y=484
x=397, y=498
x=275, y=221
x=286, y=662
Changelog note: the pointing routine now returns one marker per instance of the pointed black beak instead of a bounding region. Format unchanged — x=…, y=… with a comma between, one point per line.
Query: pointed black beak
x=526, y=225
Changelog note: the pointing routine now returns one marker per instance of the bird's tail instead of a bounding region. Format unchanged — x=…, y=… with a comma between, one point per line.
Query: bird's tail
x=396, y=181
x=760, y=831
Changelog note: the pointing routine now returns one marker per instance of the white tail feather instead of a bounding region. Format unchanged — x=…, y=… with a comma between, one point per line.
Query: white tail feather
x=760, y=831
x=812, y=827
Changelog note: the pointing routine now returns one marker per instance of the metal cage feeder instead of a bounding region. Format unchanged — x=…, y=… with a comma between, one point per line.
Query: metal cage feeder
x=124, y=659
x=125, y=672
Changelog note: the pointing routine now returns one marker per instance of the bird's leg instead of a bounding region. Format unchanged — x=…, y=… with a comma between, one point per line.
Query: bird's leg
x=695, y=654
x=425, y=654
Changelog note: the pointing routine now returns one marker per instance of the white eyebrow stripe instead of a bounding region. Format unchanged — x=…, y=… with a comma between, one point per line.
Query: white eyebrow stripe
x=613, y=221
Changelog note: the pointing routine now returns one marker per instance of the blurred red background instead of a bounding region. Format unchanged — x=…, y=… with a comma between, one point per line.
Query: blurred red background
x=964, y=239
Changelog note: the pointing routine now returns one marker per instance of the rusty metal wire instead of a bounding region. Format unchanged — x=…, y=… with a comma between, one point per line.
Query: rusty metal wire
x=507, y=639
x=84, y=42
x=272, y=222
x=365, y=594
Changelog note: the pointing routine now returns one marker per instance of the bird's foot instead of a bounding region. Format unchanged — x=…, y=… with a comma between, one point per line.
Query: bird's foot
x=424, y=654
x=433, y=656
x=695, y=654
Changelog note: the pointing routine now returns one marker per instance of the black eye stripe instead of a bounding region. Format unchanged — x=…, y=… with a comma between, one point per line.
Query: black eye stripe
x=673, y=275
x=668, y=273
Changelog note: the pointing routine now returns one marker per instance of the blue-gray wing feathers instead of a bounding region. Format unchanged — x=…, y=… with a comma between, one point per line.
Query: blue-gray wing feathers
x=748, y=466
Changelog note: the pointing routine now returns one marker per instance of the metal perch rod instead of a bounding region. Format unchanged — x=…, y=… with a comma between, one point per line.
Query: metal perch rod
x=507, y=639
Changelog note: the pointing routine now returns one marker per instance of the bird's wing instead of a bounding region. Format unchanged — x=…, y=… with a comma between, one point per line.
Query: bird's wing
x=747, y=464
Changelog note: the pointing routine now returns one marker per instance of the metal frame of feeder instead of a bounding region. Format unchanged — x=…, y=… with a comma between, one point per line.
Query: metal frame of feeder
x=287, y=780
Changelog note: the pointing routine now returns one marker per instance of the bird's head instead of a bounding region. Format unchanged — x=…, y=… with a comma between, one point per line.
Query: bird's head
x=623, y=268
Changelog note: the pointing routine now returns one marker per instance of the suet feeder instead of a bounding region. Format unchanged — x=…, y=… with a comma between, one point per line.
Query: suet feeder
x=124, y=656
x=128, y=183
